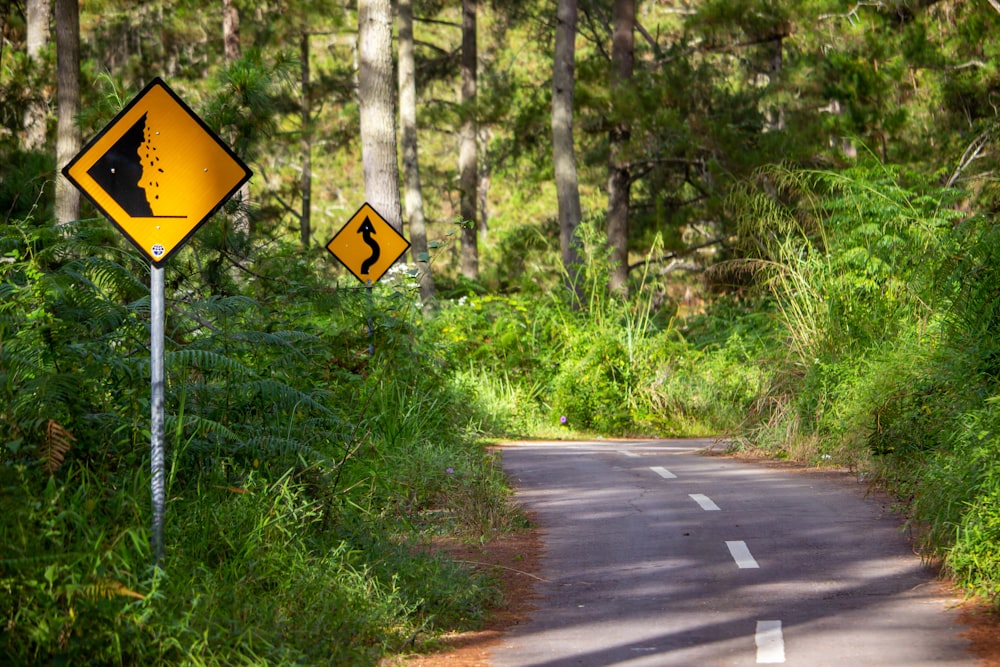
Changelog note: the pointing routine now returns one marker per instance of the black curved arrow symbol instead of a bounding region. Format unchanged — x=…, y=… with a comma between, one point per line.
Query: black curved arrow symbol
x=366, y=230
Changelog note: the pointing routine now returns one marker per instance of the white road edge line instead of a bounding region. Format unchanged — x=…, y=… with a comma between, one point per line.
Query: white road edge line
x=663, y=472
x=741, y=554
x=706, y=503
x=770, y=643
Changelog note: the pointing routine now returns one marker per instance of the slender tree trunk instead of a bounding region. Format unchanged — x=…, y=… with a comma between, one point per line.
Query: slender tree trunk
x=375, y=92
x=38, y=14
x=468, y=181
x=231, y=47
x=305, y=143
x=68, y=141
x=230, y=30
x=619, y=178
x=413, y=195
x=564, y=158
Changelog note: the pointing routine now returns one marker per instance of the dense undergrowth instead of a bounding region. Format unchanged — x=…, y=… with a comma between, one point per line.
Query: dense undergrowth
x=304, y=475
x=857, y=326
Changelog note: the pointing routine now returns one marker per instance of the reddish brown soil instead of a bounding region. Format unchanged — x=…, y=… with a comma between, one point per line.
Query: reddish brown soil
x=515, y=560
x=984, y=633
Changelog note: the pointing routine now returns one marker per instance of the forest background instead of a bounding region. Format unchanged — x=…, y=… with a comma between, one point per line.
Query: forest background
x=773, y=223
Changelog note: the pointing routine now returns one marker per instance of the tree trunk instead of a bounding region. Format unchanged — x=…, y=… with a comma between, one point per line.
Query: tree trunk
x=38, y=14
x=230, y=30
x=375, y=89
x=468, y=181
x=68, y=142
x=619, y=178
x=305, y=143
x=231, y=47
x=413, y=195
x=564, y=159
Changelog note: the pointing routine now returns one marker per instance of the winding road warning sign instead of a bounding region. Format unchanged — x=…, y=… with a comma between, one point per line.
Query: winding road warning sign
x=368, y=245
x=157, y=172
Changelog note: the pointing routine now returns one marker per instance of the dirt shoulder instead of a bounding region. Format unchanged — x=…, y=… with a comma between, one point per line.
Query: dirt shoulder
x=515, y=559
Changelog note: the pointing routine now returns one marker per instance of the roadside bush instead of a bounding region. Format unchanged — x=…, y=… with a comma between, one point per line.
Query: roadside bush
x=702, y=392
x=297, y=466
x=955, y=500
x=851, y=261
x=889, y=310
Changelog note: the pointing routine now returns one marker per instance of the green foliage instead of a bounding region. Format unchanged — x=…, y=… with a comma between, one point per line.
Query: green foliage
x=888, y=306
x=592, y=388
x=704, y=390
x=955, y=499
x=850, y=256
x=613, y=366
x=303, y=472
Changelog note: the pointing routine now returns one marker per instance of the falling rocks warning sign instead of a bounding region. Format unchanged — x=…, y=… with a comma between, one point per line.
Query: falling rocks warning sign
x=157, y=172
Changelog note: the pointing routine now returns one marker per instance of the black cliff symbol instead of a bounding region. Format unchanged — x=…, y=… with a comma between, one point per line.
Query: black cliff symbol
x=120, y=170
x=366, y=230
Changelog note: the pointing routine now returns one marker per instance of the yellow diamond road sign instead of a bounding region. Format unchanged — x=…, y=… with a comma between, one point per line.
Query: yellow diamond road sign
x=157, y=172
x=368, y=245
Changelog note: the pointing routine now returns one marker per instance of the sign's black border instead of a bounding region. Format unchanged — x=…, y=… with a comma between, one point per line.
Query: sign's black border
x=346, y=225
x=157, y=81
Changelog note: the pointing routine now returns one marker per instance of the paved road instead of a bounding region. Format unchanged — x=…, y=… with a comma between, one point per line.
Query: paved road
x=656, y=555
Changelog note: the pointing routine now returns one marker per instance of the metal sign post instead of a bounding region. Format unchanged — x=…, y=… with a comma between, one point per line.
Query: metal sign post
x=157, y=312
x=157, y=172
x=371, y=319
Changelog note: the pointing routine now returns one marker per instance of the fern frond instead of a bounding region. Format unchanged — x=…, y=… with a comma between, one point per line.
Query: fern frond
x=227, y=306
x=33, y=562
x=270, y=446
x=114, y=279
x=105, y=589
x=205, y=360
x=46, y=392
x=283, y=339
x=108, y=279
x=279, y=394
x=58, y=441
x=8, y=293
x=202, y=425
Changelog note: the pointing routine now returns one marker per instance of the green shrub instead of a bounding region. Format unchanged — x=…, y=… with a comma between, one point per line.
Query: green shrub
x=701, y=392
x=299, y=466
x=592, y=388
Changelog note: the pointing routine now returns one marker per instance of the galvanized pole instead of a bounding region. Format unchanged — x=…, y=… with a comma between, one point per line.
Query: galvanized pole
x=156, y=332
x=371, y=323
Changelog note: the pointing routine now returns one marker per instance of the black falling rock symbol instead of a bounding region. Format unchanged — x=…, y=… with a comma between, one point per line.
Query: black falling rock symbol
x=119, y=170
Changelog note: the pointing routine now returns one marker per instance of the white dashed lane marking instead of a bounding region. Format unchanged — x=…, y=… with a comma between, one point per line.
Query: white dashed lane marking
x=704, y=501
x=768, y=638
x=741, y=554
x=663, y=472
x=770, y=643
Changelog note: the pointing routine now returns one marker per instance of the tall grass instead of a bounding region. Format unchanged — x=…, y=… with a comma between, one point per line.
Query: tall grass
x=304, y=473
x=606, y=364
x=850, y=260
x=885, y=291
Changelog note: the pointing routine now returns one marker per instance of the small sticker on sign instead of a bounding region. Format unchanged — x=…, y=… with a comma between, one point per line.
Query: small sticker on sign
x=157, y=250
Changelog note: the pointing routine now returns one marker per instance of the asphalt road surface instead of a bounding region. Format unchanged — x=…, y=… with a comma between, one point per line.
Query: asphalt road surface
x=657, y=555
